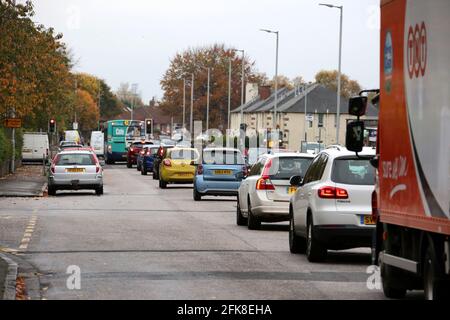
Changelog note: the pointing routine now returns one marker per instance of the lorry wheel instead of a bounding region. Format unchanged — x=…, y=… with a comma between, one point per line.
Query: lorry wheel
x=296, y=244
x=253, y=223
x=315, y=251
x=129, y=165
x=240, y=219
x=434, y=287
x=387, y=277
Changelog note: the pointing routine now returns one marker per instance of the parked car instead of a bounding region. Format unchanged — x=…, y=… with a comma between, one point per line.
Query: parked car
x=178, y=166
x=159, y=157
x=97, y=143
x=146, y=159
x=264, y=195
x=220, y=173
x=35, y=146
x=332, y=207
x=133, y=151
x=75, y=170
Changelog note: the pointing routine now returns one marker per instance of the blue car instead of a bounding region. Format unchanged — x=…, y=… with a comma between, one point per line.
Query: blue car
x=220, y=173
x=146, y=159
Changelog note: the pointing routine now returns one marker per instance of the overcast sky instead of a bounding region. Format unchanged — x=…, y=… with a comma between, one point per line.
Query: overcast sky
x=134, y=40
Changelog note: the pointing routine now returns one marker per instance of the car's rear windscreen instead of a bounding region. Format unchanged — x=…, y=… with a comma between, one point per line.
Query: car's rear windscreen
x=353, y=171
x=223, y=157
x=184, y=154
x=284, y=168
x=75, y=159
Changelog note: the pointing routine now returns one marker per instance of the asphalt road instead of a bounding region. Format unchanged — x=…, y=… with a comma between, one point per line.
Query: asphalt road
x=139, y=242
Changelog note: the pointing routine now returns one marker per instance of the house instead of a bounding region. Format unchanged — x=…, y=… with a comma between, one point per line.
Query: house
x=317, y=125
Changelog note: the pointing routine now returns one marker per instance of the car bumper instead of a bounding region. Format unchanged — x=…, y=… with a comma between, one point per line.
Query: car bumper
x=269, y=210
x=76, y=183
x=344, y=236
x=217, y=188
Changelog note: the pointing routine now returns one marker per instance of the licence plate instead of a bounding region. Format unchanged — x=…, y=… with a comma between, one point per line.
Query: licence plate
x=75, y=170
x=184, y=174
x=27, y=150
x=292, y=190
x=368, y=220
x=222, y=172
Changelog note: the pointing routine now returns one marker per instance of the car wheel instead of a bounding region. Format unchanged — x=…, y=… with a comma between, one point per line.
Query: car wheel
x=99, y=191
x=296, y=244
x=162, y=184
x=315, y=252
x=240, y=219
x=129, y=165
x=138, y=167
x=253, y=223
x=155, y=175
x=143, y=171
x=51, y=191
x=197, y=195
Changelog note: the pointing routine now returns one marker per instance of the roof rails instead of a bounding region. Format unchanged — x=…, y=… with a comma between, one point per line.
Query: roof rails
x=334, y=146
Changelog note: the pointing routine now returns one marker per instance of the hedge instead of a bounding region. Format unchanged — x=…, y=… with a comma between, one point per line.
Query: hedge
x=5, y=144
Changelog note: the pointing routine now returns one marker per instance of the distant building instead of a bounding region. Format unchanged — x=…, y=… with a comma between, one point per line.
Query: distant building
x=320, y=119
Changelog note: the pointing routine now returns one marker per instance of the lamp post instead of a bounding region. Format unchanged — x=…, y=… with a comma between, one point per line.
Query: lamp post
x=191, y=120
x=275, y=119
x=184, y=103
x=207, y=99
x=338, y=113
x=242, y=83
x=229, y=92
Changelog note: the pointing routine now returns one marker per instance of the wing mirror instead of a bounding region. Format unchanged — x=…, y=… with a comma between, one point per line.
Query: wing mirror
x=102, y=162
x=355, y=136
x=296, y=181
x=357, y=106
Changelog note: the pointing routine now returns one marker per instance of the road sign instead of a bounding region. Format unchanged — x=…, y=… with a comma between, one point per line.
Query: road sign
x=75, y=126
x=13, y=123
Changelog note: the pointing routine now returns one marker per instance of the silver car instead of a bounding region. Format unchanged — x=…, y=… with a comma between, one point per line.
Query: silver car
x=75, y=170
x=264, y=195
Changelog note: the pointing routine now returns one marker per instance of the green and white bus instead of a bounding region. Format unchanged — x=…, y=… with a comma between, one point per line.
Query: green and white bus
x=119, y=134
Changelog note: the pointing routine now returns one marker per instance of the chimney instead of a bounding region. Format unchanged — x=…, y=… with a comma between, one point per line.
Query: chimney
x=265, y=92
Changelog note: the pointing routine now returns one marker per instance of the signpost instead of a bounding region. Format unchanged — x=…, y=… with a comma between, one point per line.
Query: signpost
x=13, y=123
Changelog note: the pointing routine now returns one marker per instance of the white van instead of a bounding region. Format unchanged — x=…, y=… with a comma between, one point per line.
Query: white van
x=35, y=146
x=97, y=143
x=73, y=136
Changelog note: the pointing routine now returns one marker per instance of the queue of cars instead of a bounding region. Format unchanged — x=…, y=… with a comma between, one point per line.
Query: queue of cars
x=326, y=197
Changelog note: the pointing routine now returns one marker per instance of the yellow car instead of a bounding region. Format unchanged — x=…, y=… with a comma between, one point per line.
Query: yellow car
x=177, y=166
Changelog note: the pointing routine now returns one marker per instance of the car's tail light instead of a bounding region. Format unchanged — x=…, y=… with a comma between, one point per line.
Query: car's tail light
x=332, y=193
x=167, y=163
x=142, y=152
x=374, y=206
x=200, y=169
x=131, y=149
x=148, y=154
x=264, y=184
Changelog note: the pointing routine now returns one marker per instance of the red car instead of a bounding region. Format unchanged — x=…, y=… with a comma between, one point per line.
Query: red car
x=133, y=152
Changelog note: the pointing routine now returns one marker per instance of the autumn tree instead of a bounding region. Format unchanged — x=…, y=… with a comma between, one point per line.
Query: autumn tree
x=329, y=79
x=196, y=61
x=128, y=96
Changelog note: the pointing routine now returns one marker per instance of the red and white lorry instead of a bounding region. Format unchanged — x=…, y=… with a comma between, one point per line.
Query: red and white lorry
x=412, y=195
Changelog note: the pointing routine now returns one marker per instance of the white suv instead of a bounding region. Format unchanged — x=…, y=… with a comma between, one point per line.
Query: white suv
x=331, y=208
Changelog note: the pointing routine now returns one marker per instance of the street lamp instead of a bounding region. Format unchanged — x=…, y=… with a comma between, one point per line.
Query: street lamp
x=191, y=120
x=242, y=82
x=275, y=120
x=338, y=113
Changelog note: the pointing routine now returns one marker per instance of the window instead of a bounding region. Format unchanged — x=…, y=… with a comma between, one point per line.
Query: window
x=257, y=168
x=320, y=123
x=317, y=168
x=284, y=168
x=76, y=159
x=354, y=172
x=184, y=154
x=221, y=157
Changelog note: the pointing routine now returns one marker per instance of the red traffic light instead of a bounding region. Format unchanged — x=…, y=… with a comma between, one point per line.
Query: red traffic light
x=52, y=121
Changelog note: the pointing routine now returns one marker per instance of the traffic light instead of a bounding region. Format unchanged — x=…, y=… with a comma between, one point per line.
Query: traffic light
x=149, y=126
x=52, y=126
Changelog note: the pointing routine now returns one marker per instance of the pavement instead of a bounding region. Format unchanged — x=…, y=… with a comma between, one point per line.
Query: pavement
x=140, y=242
x=28, y=181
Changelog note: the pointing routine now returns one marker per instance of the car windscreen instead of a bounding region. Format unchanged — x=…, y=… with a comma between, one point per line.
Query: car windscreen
x=223, y=157
x=353, y=171
x=184, y=154
x=75, y=159
x=284, y=168
x=152, y=150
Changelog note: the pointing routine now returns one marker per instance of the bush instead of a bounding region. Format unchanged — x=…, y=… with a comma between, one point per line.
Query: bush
x=6, y=147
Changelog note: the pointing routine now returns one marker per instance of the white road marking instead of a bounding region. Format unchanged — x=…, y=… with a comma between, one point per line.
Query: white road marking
x=28, y=232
